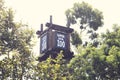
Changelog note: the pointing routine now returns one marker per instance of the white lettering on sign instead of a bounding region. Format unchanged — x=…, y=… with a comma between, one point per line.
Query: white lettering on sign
x=44, y=43
x=61, y=40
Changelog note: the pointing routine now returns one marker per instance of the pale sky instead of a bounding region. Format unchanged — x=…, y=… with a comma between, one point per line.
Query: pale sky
x=35, y=12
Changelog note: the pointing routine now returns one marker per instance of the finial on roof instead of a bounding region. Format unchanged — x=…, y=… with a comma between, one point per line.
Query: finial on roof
x=50, y=19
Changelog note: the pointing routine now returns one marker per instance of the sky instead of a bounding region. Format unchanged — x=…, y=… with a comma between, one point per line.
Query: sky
x=35, y=12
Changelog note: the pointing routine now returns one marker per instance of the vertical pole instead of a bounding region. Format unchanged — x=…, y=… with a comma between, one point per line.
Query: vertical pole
x=51, y=19
x=41, y=28
x=50, y=34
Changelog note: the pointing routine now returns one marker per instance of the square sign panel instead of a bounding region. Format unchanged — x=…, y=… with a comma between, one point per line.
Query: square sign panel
x=43, y=43
x=60, y=40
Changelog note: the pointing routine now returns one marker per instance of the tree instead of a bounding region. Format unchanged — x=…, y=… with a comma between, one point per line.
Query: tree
x=101, y=63
x=14, y=38
x=112, y=51
x=52, y=69
x=76, y=40
x=81, y=65
x=87, y=18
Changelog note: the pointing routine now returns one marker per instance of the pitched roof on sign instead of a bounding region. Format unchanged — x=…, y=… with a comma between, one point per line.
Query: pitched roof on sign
x=59, y=28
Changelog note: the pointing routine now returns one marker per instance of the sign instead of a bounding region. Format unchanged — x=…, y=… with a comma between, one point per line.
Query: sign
x=43, y=43
x=60, y=40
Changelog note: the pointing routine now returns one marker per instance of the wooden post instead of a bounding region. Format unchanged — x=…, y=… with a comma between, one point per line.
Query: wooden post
x=41, y=28
x=50, y=19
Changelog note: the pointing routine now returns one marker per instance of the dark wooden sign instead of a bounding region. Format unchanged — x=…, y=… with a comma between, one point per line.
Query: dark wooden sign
x=54, y=39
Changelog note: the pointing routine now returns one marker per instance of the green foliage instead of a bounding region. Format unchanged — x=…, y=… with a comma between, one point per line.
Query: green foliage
x=111, y=64
x=112, y=38
x=81, y=65
x=76, y=40
x=83, y=13
x=87, y=18
x=101, y=63
x=15, y=38
x=53, y=69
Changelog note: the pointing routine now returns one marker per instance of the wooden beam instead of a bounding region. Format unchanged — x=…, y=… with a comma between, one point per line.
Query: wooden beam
x=59, y=28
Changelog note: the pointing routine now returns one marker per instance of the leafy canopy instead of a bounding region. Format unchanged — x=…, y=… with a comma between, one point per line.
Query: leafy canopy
x=15, y=44
x=86, y=18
